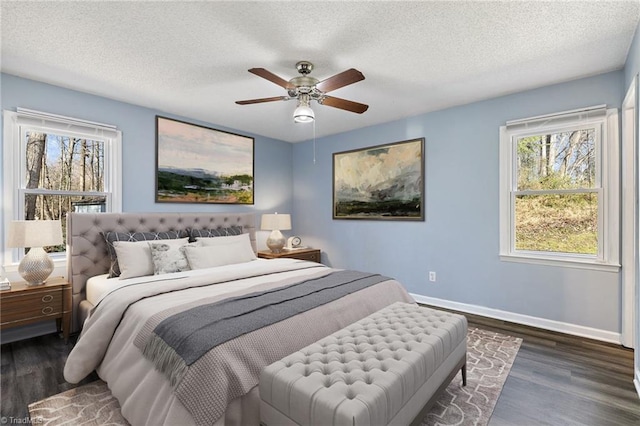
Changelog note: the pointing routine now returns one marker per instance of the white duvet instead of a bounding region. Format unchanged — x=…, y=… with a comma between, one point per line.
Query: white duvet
x=106, y=342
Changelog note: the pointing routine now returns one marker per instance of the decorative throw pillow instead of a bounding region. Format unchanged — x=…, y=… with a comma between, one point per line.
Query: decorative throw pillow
x=200, y=257
x=111, y=237
x=238, y=245
x=167, y=258
x=134, y=257
x=218, y=232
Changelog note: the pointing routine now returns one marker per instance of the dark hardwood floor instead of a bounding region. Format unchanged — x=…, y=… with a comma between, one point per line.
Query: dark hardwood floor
x=563, y=380
x=32, y=370
x=556, y=379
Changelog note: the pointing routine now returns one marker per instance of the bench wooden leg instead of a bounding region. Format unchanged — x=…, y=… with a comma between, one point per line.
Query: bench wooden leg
x=464, y=373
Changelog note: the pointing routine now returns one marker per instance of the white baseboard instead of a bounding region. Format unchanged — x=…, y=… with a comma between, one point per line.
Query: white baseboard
x=636, y=380
x=547, y=324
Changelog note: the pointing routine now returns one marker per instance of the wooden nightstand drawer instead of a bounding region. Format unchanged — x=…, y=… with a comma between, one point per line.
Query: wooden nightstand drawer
x=312, y=255
x=31, y=305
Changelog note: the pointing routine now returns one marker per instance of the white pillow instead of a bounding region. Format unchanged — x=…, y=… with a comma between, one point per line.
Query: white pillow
x=240, y=243
x=220, y=251
x=211, y=256
x=134, y=257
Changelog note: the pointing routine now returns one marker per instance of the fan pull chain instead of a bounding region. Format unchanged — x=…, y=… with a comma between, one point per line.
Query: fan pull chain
x=314, y=141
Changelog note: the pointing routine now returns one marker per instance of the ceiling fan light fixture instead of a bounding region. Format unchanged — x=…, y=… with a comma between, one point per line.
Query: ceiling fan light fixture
x=303, y=114
x=306, y=88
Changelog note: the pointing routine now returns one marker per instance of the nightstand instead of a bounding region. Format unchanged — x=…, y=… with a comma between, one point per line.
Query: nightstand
x=28, y=304
x=303, y=254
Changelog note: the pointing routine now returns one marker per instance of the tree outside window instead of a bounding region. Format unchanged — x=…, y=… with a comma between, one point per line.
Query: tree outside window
x=556, y=202
x=63, y=174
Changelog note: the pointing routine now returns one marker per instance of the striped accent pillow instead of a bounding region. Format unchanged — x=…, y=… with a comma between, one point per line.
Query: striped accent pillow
x=218, y=232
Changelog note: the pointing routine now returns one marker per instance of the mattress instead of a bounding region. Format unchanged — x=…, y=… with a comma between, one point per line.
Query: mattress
x=98, y=286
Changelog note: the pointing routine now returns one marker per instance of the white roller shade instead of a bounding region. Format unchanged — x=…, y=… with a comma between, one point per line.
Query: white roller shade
x=44, y=120
x=559, y=119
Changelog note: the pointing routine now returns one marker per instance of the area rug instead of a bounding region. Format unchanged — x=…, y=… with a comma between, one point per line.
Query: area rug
x=489, y=359
x=88, y=405
x=490, y=356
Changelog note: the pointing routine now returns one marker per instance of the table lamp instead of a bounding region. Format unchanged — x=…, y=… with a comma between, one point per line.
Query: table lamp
x=275, y=223
x=36, y=266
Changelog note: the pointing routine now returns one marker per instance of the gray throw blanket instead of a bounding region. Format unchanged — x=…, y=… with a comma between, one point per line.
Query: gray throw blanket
x=183, y=338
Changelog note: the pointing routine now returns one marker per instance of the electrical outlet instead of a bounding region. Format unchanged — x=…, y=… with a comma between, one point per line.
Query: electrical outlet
x=432, y=276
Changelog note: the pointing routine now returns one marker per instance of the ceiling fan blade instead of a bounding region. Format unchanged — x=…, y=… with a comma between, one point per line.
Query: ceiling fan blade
x=344, y=104
x=257, y=101
x=268, y=75
x=345, y=78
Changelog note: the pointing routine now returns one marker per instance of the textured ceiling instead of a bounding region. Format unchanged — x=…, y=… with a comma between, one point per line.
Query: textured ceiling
x=191, y=58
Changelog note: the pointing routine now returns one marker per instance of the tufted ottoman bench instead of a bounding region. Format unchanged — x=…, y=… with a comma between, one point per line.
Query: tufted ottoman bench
x=387, y=368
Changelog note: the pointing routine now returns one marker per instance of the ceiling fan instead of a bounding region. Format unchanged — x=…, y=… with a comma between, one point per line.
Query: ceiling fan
x=305, y=89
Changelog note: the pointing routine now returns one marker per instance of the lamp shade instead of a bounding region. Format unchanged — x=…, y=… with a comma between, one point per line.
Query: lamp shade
x=34, y=233
x=281, y=222
x=303, y=114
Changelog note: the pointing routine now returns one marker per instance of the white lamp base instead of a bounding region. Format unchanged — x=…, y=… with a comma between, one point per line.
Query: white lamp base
x=276, y=241
x=36, y=266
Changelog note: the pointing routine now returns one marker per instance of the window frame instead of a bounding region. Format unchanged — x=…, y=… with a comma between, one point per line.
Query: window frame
x=607, y=188
x=16, y=125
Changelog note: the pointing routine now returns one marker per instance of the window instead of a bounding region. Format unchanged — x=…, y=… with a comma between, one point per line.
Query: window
x=55, y=165
x=559, y=189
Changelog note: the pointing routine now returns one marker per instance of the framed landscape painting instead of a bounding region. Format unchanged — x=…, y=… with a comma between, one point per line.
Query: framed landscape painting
x=384, y=182
x=197, y=164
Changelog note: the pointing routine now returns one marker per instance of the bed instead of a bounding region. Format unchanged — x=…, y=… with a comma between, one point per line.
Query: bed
x=128, y=325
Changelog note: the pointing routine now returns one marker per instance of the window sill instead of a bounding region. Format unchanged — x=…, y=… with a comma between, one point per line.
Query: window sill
x=563, y=263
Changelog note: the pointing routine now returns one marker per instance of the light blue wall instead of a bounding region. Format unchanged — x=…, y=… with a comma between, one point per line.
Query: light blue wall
x=459, y=239
x=273, y=172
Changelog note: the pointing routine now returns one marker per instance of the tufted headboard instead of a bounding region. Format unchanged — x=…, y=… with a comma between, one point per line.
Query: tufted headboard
x=87, y=254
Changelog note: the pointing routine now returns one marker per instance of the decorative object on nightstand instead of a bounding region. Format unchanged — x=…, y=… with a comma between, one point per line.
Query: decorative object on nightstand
x=306, y=253
x=276, y=223
x=5, y=284
x=36, y=266
x=294, y=243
